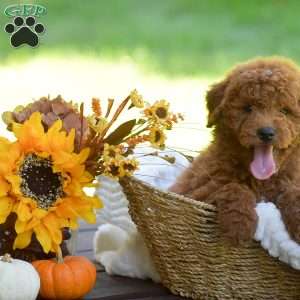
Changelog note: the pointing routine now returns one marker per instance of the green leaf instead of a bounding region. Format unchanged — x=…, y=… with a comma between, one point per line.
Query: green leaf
x=117, y=136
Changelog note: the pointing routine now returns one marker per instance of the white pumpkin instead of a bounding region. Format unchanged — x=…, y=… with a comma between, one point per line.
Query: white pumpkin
x=18, y=279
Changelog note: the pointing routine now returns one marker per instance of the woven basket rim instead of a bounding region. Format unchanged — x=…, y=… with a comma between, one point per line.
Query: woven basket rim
x=168, y=194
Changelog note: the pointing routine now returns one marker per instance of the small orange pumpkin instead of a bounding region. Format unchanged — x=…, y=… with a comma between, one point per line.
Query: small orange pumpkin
x=70, y=278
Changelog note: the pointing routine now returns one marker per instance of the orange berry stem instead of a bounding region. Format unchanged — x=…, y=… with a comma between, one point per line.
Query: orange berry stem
x=96, y=107
x=109, y=107
x=81, y=125
x=116, y=115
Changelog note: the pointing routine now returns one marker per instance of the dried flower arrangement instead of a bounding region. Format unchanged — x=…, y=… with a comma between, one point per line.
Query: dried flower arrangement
x=58, y=152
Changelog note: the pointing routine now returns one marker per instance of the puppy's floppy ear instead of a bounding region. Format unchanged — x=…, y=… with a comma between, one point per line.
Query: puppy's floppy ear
x=214, y=99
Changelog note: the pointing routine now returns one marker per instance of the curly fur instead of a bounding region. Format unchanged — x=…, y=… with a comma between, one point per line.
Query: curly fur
x=220, y=175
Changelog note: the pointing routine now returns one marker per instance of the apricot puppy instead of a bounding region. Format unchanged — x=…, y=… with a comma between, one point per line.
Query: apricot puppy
x=255, y=154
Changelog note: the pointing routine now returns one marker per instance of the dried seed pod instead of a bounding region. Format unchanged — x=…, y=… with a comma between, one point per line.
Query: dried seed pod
x=55, y=109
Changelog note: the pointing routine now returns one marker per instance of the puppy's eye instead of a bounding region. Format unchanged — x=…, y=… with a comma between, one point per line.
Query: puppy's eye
x=285, y=111
x=247, y=108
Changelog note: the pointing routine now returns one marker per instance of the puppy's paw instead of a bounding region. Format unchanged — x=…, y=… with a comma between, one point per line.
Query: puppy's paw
x=238, y=228
x=289, y=205
x=236, y=212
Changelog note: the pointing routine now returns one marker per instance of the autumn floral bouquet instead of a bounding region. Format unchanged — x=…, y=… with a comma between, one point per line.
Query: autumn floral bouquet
x=58, y=151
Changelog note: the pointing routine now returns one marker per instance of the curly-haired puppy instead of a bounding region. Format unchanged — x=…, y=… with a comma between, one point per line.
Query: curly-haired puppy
x=255, y=154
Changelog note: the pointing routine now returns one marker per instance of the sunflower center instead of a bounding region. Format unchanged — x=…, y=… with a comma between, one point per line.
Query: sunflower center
x=39, y=182
x=114, y=170
x=161, y=112
x=112, y=153
x=129, y=167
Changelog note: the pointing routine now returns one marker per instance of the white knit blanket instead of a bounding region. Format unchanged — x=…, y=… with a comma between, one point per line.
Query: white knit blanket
x=120, y=248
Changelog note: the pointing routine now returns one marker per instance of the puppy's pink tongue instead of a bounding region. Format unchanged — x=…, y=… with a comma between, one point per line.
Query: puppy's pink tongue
x=263, y=165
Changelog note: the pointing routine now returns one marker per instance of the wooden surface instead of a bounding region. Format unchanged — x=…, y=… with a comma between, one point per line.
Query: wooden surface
x=117, y=287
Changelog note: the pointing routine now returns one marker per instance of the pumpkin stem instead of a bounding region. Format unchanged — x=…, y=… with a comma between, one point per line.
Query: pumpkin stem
x=59, y=255
x=6, y=258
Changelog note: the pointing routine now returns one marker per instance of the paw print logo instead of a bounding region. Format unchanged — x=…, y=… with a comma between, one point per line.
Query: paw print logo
x=24, y=31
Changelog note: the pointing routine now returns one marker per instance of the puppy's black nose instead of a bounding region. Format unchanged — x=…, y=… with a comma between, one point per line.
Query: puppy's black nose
x=266, y=134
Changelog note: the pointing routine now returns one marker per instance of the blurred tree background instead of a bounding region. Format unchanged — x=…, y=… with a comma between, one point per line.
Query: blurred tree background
x=174, y=37
x=170, y=48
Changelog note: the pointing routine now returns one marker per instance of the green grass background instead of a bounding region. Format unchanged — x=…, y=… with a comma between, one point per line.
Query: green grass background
x=171, y=37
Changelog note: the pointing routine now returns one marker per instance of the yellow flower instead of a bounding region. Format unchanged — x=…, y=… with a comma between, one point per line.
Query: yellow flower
x=98, y=124
x=114, y=168
x=136, y=99
x=42, y=181
x=157, y=137
x=111, y=151
x=129, y=166
x=160, y=111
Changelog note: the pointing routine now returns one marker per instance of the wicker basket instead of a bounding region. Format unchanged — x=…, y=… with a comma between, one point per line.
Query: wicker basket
x=192, y=258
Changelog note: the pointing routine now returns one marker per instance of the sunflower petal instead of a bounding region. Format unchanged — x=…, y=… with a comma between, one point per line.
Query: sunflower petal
x=65, y=160
x=39, y=213
x=88, y=216
x=95, y=201
x=6, y=205
x=77, y=171
x=32, y=134
x=23, y=212
x=32, y=223
x=15, y=182
x=14, y=152
x=73, y=224
x=53, y=227
x=51, y=221
x=86, y=177
x=20, y=226
x=62, y=222
x=56, y=235
x=22, y=240
x=4, y=144
x=55, y=128
x=3, y=218
x=66, y=211
x=55, y=137
x=43, y=236
x=74, y=189
x=69, y=143
x=5, y=167
x=83, y=155
x=17, y=130
x=34, y=123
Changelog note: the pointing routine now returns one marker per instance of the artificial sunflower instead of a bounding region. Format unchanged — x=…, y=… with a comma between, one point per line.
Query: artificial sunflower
x=160, y=111
x=157, y=137
x=136, y=99
x=129, y=166
x=42, y=181
x=111, y=152
x=98, y=124
x=114, y=168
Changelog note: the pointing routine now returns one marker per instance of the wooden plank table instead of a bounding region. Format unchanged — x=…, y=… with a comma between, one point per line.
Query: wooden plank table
x=117, y=287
